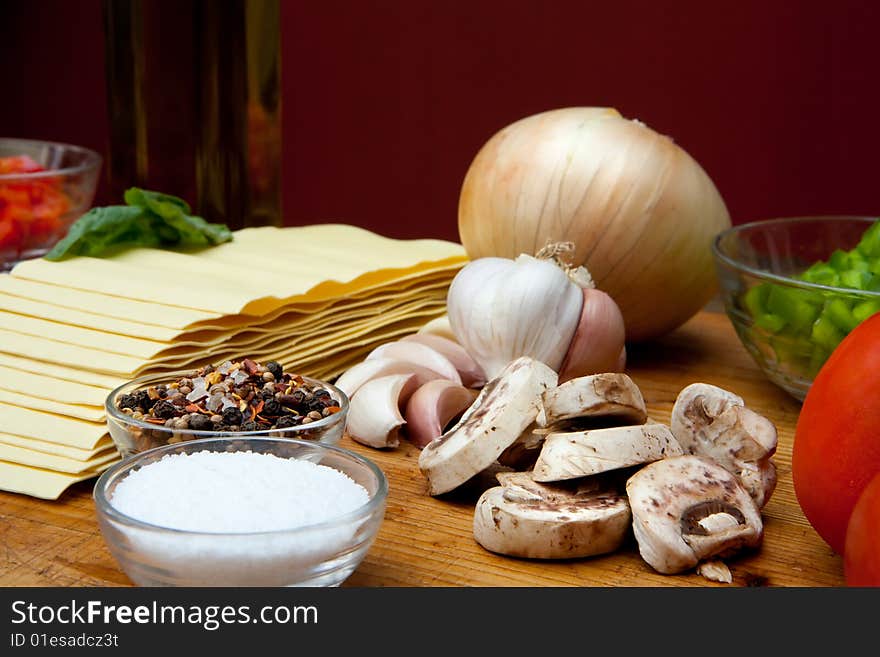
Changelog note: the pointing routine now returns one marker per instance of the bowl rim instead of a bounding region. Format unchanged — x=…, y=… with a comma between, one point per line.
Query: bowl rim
x=93, y=160
x=787, y=280
x=148, y=379
x=105, y=507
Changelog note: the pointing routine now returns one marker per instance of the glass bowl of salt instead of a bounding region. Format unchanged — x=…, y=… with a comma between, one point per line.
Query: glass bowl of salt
x=241, y=512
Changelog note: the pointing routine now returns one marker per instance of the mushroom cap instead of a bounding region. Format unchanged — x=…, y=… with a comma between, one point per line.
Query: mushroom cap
x=504, y=408
x=712, y=422
x=612, y=396
x=523, y=518
x=687, y=509
x=580, y=453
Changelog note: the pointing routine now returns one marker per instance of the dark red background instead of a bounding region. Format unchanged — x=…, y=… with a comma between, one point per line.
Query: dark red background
x=386, y=102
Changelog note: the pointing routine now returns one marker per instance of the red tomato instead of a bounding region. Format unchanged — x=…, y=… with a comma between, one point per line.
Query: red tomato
x=837, y=440
x=10, y=235
x=861, y=557
x=19, y=164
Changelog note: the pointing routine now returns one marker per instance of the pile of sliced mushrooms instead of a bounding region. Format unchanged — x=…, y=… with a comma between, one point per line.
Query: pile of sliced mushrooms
x=577, y=462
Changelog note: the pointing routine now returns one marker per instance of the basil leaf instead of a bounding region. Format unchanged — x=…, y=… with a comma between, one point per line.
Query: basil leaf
x=148, y=199
x=150, y=219
x=101, y=228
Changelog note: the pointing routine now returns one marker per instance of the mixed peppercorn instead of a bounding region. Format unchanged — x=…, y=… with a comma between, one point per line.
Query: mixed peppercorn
x=235, y=396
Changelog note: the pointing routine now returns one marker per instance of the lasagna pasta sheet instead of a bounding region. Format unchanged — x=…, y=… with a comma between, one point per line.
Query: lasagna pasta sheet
x=316, y=298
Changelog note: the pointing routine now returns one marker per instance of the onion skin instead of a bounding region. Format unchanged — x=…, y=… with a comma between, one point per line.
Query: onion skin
x=598, y=344
x=640, y=210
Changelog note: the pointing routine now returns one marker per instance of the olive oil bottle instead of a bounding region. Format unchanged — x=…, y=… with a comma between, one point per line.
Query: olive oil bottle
x=193, y=89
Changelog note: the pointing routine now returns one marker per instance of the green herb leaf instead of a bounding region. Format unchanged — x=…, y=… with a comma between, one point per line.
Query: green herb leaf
x=150, y=219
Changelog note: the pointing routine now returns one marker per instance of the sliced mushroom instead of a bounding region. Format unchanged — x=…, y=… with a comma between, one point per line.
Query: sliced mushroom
x=710, y=421
x=581, y=453
x=715, y=571
x=433, y=406
x=688, y=509
x=472, y=375
x=590, y=402
x=524, y=451
x=613, y=397
x=697, y=402
x=504, y=408
x=420, y=354
x=523, y=518
x=356, y=376
x=374, y=417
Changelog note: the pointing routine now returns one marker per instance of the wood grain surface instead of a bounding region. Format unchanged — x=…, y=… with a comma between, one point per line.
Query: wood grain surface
x=427, y=541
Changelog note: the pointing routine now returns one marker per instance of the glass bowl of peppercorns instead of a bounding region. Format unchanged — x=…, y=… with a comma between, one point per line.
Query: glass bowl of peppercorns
x=241, y=398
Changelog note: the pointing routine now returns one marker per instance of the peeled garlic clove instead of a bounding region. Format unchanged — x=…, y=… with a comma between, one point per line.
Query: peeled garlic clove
x=420, y=354
x=355, y=377
x=599, y=339
x=438, y=326
x=433, y=406
x=472, y=375
x=374, y=417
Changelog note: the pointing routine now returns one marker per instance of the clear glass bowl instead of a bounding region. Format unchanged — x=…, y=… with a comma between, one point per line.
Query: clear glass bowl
x=134, y=436
x=772, y=253
x=322, y=554
x=36, y=209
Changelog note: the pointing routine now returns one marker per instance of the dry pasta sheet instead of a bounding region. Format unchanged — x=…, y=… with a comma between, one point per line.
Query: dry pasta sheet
x=317, y=298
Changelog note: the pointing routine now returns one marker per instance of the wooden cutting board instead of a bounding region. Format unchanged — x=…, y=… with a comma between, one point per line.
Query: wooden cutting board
x=427, y=541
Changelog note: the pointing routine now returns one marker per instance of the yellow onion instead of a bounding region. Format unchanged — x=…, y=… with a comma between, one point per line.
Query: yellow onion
x=640, y=211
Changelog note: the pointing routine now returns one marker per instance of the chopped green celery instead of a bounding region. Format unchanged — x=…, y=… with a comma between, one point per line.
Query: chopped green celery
x=805, y=326
x=799, y=308
x=839, y=260
x=826, y=334
x=770, y=322
x=861, y=311
x=755, y=300
x=817, y=360
x=869, y=245
x=822, y=274
x=838, y=312
x=791, y=349
x=858, y=280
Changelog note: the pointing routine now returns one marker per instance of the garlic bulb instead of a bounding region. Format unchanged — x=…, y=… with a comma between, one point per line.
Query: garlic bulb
x=502, y=309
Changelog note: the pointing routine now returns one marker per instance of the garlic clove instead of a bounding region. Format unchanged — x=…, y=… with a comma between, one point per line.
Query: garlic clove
x=621, y=361
x=598, y=344
x=355, y=377
x=433, y=406
x=420, y=354
x=438, y=326
x=374, y=417
x=472, y=375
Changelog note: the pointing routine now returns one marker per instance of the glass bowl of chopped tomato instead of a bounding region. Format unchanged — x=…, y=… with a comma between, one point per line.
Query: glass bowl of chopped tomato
x=44, y=187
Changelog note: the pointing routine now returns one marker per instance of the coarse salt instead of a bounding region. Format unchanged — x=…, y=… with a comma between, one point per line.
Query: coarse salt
x=237, y=494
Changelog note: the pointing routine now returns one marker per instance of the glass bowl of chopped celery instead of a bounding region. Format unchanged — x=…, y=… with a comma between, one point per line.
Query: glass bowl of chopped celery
x=795, y=287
